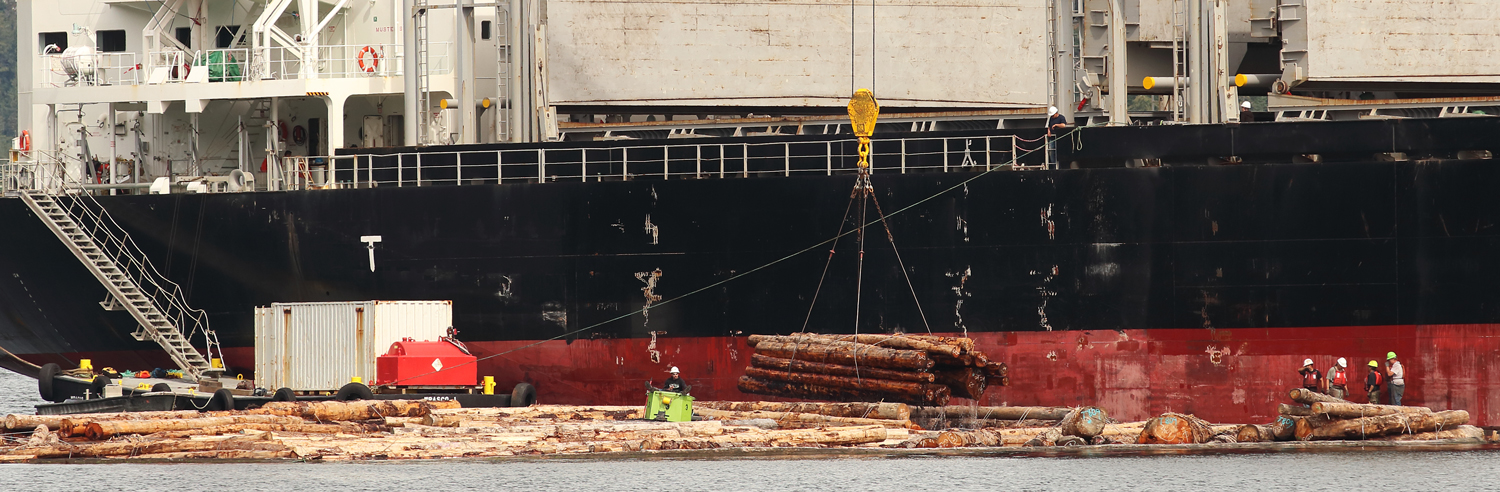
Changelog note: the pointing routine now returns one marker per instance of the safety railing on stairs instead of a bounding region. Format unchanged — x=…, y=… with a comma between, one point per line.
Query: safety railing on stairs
x=112, y=240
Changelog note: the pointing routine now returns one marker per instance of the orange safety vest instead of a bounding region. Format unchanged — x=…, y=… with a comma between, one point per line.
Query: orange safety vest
x=1339, y=378
x=1310, y=379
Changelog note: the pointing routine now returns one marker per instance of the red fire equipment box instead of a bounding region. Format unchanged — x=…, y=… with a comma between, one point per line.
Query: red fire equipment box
x=413, y=363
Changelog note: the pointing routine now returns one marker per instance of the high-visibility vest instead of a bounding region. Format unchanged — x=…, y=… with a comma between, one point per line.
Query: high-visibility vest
x=1339, y=378
x=1310, y=379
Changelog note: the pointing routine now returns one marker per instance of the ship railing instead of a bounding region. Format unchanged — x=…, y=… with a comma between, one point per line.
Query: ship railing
x=88, y=69
x=673, y=161
x=36, y=170
x=343, y=61
x=113, y=241
x=176, y=66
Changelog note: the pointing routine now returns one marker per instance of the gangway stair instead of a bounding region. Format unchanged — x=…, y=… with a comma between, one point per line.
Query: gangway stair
x=133, y=283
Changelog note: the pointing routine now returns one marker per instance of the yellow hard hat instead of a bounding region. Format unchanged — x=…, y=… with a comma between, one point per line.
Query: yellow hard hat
x=1373, y=364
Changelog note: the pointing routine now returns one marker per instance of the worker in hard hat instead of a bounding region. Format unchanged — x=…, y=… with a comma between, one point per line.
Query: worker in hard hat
x=1373, y=382
x=1338, y=379
x=1056, y=122
x=1246, y=115
x=1397, y=377
x=1312, y=378
x=675, y=383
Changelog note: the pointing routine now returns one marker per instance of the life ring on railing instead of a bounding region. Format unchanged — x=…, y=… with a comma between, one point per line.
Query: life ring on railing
x=374, y=60
x=281, y=130
x=299, y=136
x=25, y=141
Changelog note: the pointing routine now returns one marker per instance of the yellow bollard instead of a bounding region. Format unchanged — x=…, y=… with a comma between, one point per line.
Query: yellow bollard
x=356, y=379
x=216, y=363
x=86, y=364
x=489, y=385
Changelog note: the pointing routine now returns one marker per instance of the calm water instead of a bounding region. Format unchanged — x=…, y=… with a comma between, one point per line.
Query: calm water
x=1332, y=471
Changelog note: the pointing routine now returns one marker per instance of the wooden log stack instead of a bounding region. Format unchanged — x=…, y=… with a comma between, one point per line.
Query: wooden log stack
x=912, y=369
x=1321, y=417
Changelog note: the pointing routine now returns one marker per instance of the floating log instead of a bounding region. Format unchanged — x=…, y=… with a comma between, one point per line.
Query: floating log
x=1461, y=432
x=20, y=422
x=1047, y=437
x=1308, y=397
x=99, y=431
x=354, y=410
x=1293, y=410
x=228, y=454
x=77, y=424
x=747, y=384
x=888, y=411
x=845, y=353
x=126, y=448
x=1085, y=422
x=1175, y=428
x=1284, y=428
x=790, y=365
x=801, y=418
x=1125, y=432
x=337, y=428
x=997, y=413
x=1306, y=425
x=891, y=341
x=1253, y=433
x=833, y=436
x=1348, y=410
x=490, y=416
x=1399, y=423
x=965, y=382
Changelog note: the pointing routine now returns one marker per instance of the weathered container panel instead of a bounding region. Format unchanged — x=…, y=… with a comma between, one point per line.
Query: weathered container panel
x=320, y=346
x=963, y=53
x=1403, y=40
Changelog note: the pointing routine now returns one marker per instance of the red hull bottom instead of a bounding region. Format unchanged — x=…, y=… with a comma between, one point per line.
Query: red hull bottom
x=1224, y=375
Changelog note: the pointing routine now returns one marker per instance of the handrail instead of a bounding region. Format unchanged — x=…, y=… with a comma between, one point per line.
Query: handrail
x=165, y=294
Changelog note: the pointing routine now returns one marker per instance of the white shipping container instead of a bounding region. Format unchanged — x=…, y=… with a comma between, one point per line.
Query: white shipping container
x=320, y=346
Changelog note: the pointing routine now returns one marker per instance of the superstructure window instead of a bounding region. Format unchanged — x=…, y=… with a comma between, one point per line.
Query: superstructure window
x=52, y=42
x=184, y=35
x=484, y=30
x=111, y=41
x=224, y=36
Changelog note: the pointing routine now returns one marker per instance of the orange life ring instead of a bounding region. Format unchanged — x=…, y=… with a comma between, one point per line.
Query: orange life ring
x=374, y=60
x=299, y=136
x=281, y=130
x=25, y=145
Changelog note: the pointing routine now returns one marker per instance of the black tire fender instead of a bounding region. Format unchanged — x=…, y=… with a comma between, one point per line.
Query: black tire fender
x=44, y=381
x=161, y=387
x=284, y=394
x=223, y=399
x=96, y=387
x=523, y=395
x=354, y=391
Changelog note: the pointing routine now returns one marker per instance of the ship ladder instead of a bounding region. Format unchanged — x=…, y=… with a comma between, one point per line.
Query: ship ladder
x=134, y=284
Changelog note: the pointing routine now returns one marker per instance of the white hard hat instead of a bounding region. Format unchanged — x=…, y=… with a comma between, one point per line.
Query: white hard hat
x=1343, y=363
x=1245, y=104
x=674, y=369
x=1307, y=362
x=1051, y=110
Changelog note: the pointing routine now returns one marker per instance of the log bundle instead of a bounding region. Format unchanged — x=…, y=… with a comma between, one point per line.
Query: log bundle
x=912, y=369
x=1321, y=417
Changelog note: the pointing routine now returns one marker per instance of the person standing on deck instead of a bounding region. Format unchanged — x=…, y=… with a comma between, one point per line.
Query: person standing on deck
x=1397, y=377
x=1312, y=379
x=1338, y=379
x=1246, y=115
x=1372, y=383
x=1056, y=122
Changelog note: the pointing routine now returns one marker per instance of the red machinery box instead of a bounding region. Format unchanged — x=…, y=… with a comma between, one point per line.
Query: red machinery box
x=413, y=363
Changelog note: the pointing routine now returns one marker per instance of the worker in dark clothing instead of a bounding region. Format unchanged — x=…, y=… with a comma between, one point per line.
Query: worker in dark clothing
x=1373, y=382
x=675, y=384
x=1246, y=115
x=1056, y=122
x=1312, y=378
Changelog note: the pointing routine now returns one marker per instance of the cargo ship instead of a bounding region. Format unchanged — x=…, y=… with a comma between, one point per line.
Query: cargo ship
x=594, y=229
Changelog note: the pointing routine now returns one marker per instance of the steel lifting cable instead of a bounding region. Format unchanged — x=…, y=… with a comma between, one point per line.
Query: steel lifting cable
x=892, y=238
x=842, y=219
x=731, y=278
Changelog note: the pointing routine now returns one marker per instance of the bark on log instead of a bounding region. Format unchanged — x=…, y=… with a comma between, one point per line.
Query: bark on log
x=954, y=423
x=799, y=418
x=353, y=410
x=1085, y=422
x=338, y=428
x=1461, y=432
x=965, y=345
x=1127, y=432
x=793, y=437
x=1293, y=410
x=20, y=422
x=1308, y=397
x=99, y=431
x=848, y=354
x=1175, y=428
x=1253, y=433
x=789, y=365
x=1047, y=437
x=965, y=382
x=492, y=416
x=1284, y=428
x=806, y=391
x=125, y=448
x=902, y=342
x=229, y=454
x=77, y=424
x=918, y=390
x=997, y=413
x=1361, y=410
x=1384, y=425
x=1306, y=425
x=888, y=411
